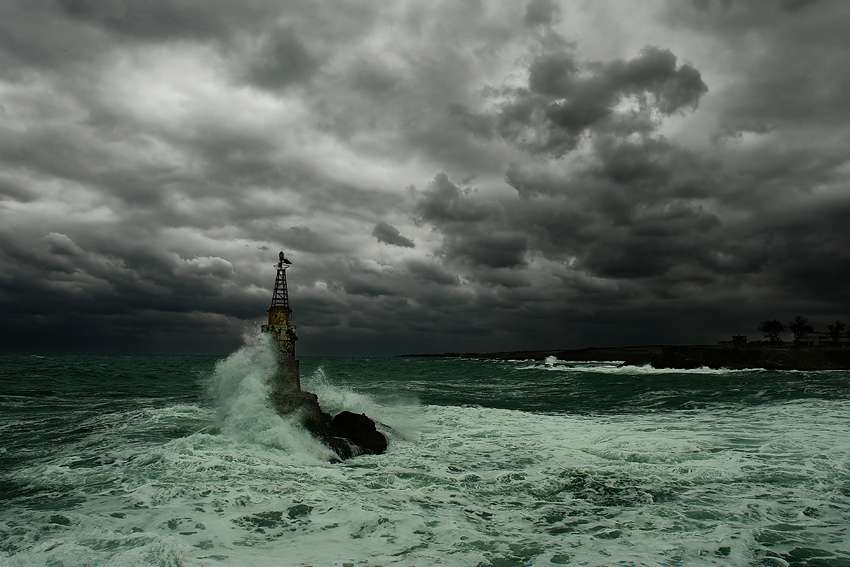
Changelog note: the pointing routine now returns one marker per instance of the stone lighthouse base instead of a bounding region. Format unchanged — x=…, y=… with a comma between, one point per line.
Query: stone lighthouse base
x=306, y=403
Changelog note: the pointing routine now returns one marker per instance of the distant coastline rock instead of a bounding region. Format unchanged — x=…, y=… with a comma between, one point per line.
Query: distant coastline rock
x=752, y=356
x=767, y=357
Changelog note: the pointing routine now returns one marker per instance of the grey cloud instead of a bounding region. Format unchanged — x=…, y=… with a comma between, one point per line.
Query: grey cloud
x=405, y=101
x=530, y=183
x=807, y=52
x=655, y=72
x=283, y=60
x=807, y=252
x=648, y=224
x=374, y=78
x=369, y=286
x=163, y=19
x=429, y=272
x=504, y=250
x=473, y=231
x=786, y=5
x=69, y=36
x=506, y=278
x=35, y=34
x=641, y=169
x=446, y=202
x=541, y=12
x=795, y=5
x=10, y=189
x=650, y=161
x=632, y=212
x=653, y=242
x=389, y=234
x=637, y=224
x=305, y=239
x=565, y=99
x=659, y=168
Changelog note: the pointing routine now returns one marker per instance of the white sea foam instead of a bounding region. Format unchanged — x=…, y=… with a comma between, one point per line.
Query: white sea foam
x=617, y=367
x=480, y=486
x=240, y=386
x=402, y=416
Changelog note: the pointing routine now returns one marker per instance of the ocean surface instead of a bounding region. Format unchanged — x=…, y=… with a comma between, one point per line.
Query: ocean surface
x=177, y=461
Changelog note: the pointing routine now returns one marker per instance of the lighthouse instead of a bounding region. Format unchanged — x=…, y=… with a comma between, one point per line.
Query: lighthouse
x=347, y=434
x=287, y=378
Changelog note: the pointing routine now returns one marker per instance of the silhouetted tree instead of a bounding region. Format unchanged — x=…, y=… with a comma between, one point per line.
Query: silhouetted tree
x=800, y=325
x=836, y=330
x=771, y=329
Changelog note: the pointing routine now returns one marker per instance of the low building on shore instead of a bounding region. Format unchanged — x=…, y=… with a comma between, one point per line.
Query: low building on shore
x=823, y=339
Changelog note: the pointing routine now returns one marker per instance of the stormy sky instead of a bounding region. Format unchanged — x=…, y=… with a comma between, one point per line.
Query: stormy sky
x=445, y=176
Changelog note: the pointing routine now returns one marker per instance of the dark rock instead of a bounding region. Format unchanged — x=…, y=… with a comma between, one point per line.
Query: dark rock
x=348, y=434
x=360, y=430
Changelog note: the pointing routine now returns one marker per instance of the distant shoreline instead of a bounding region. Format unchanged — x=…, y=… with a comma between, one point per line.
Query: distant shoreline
x=752, y=356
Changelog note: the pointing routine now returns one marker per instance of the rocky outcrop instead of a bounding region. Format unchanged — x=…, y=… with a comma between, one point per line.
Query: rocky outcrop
x=352, y=434
x=348, y=434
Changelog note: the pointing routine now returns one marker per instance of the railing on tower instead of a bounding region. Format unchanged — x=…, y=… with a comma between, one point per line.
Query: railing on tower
x=280, y=297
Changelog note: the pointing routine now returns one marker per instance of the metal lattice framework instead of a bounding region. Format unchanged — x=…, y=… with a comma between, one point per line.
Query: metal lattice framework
x=280, y=297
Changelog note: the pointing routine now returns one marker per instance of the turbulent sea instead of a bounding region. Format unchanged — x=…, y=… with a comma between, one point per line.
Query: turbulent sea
x=177, y=461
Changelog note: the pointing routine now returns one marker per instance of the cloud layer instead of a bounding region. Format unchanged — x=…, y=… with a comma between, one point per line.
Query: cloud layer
x=457, y=176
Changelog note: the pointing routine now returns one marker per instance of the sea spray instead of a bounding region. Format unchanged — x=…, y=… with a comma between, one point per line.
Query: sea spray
x=396, y=417
x=239, y=384
x=244, y=370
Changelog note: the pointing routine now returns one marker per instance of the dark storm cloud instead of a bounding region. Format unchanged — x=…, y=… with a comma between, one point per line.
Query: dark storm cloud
x=154, y=159
x=652, y=242
x=811, y=253
x=445, y=203
x=504, y=250
x=162, y=19
x=10, y=189
x=69, y=296
x=373, y=286
x=122, y=278
x=788, y=5
x=472, y=231
x=633, y=212
x=431, y=272
x=777, y=137
x=305, y=239
x=157, y=179
x=51, y=34
x=541, y=12
x=389, y=234
x=798, y=83
x=282, y=61
x=565, y=98
x=618, y=167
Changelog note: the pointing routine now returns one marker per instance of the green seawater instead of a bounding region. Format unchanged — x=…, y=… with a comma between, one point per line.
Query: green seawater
x=177, y=460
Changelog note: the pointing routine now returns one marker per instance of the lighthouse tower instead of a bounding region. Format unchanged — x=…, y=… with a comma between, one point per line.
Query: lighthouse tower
x=287, y=379
x=347, y=434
